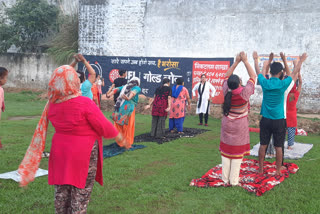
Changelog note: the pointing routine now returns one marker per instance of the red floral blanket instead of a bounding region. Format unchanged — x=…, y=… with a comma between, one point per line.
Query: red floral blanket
x=249, y=177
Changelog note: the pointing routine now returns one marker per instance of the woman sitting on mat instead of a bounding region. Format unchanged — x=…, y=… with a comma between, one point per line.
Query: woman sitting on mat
x=235, y=139
x=178, y=104
x=76, y=159
x=124, y=113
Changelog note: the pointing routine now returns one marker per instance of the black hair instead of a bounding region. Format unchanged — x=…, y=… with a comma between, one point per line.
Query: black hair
x=3, y=72
x=165, y=81
x=122, y=72
x=275, y=68
x=81, y=76
x=97, y=75
x=179, y=81
x=233, y=83
x=203, y=75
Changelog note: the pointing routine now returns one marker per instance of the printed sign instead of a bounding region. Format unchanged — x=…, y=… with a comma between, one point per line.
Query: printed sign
x=152, y=70
x=215, y=72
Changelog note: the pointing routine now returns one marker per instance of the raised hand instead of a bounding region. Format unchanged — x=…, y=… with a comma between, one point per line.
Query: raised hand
x=255, y=55
x=238, y=58
x=283, y=56
x=76, y=58
x=271, y=57
x=81, y=57
x=303, y=57
x=243, y=56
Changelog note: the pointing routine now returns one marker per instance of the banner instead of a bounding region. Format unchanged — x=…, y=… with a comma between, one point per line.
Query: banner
x=290, y=59
x=215, y=73
x=152, y=70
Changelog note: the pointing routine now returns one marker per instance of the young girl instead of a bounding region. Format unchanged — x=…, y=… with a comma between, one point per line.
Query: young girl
x=235, y=139
x=292, y=112
x=3, y=80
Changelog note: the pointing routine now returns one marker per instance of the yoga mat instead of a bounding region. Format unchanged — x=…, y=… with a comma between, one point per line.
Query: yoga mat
x=298, y=151
x=113, y=149
x=14, y=175
x=250, y=180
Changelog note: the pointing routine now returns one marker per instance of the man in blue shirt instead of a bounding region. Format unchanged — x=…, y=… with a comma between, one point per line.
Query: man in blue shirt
x=273, y=109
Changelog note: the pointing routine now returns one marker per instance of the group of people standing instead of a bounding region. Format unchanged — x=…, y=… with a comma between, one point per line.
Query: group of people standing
x=277, y=109
x=76, y=159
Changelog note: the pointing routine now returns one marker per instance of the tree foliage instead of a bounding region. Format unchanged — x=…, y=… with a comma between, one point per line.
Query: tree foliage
x=26, y=23
x=65, y=43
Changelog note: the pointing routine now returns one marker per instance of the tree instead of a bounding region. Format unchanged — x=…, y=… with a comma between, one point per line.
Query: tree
x=26, y=23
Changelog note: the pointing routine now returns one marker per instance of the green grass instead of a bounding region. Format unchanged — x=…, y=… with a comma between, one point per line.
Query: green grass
x=155, y=179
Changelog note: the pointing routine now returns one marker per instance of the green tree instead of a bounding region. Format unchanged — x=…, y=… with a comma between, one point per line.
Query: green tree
x=26, y=23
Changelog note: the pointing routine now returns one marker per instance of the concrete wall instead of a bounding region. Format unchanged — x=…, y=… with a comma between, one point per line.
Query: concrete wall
x=207, y=28
x=28, y=70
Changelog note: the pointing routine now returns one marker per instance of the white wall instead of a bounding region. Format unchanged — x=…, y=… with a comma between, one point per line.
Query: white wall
x=207, y=28
x=28, y=70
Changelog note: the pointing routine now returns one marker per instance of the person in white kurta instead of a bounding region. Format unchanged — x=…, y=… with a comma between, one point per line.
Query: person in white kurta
x=206, y=92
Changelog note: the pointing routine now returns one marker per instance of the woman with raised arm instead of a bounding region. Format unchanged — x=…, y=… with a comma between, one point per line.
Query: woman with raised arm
x=292, y=109
x=124, y=111
x=235, y=139
x=87, y=84
x=76, y=159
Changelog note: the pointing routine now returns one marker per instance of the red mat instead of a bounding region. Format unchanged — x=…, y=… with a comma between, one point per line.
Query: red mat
x=249, y=177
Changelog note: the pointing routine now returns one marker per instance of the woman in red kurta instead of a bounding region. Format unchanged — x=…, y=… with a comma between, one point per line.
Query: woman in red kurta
x=76, y=153
x=292, y=112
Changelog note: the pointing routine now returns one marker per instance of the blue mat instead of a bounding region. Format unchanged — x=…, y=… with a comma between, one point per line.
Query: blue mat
x=113, y=149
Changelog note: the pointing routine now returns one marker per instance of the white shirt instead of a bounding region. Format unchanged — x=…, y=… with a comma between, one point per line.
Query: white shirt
x=205, y=96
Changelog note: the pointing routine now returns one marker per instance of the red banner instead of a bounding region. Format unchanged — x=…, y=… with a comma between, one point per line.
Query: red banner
x=215, y=72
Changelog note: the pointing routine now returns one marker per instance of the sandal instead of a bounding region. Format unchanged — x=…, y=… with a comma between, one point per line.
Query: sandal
x=45, y=154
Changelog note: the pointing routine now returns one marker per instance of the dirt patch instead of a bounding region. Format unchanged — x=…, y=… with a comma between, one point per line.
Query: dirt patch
x=23, y=117
x=142, y=173
x=310, y=126
x=187, y=133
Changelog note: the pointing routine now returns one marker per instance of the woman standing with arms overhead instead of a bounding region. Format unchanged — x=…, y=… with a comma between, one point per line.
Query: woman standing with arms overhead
x=125, y=110
x=235, y=139
x=76, y=153
x=292, y=110
x=178, y=106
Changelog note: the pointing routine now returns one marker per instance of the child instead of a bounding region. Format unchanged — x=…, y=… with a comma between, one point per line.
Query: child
x=292, y=111
x=3, y=80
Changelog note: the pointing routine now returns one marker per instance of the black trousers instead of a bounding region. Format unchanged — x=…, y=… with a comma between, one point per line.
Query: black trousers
x=206, y=115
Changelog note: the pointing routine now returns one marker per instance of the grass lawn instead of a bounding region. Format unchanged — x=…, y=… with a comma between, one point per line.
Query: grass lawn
x=155, y=179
